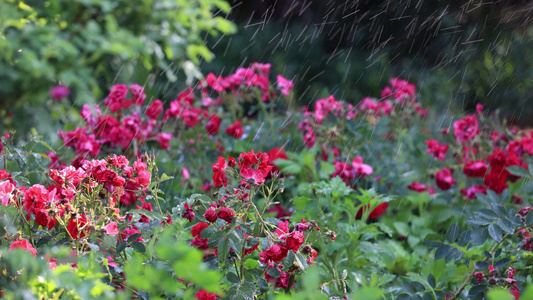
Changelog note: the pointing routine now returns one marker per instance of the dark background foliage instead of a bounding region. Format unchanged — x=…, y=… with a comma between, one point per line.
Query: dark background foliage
x=458, y=52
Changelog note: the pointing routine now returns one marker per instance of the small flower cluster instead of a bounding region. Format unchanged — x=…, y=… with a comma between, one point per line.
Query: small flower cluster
x=120, y=129
x=476, y=161
x=81, y=201
x=400, y=94
x=494, y=278
x=254, y=168
x=284, y=242
x=245, y=79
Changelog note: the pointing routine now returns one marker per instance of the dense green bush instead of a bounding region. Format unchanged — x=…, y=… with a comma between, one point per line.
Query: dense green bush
x=88, y=45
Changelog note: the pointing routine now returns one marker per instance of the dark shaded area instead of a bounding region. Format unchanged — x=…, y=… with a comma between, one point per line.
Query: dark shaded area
x=462, y=52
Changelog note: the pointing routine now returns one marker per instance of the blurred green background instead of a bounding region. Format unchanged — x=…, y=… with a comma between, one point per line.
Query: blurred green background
x=458, y=53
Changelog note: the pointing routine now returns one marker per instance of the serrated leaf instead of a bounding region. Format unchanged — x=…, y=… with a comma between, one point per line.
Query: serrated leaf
x=302, y=263
x=481, y=265
x=464, y=238
x=235, y=242
x=502, y=263
x=208, y=232
x=477, y=290
x=495, y=232
x=223, y=250
x=232, y=277
x=139, y=247
x=452, y=233
x=408, y=288
x=506, y=225
x=517, y=171
x=529, y=219
x=442, y=251
x=431, y=280
x=273, y=272
x=133, y=237
x=290, y=258
x=121, y=246
x=215, y=238
x=479, y=237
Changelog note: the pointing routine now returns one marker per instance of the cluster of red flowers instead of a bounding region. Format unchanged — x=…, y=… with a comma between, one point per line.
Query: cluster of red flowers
x=287, y=240
x=492, y=168
x=112, y=179
x=494, y=277
x=400, y=93
x=348, y=172
x=122, y=128
x=254, y=168
x=256, y=76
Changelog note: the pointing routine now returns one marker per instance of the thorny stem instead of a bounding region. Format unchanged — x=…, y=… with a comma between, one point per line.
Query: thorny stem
x=474, y=270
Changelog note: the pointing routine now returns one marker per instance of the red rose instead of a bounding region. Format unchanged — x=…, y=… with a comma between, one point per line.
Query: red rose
x=438, y=151
x=219, y=168
x=213, y=125
x=274, y=154
x=375, y=213
x=204, y=295
x=496, y=180
x=188, y=213
x=417, y=187
x=198, y=228
x=226, y=214
x=42, y=218
x=444, y=179
x=498, y=159
x=23, y=244
x=471, y=192
x=235, y=129
x=254, y=166
x=294, y=240
x=466, y=128
x=155, y=109
x=275, y=253
x=476, y=168
x=78, y=226
x=210, y=215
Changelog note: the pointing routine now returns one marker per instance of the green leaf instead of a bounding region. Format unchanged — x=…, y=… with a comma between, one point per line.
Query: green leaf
x=290, y=258
x=223, y=250
x=408, y=288
x=479, y=237
x=481, y=265
x=133, y=237
x=208, y=232
x=402, y=228
x=121, y=246
x=273, y=272
x=232, y=277
x=529, y=219
x=139, y=247
x=431, y=280
x=302, y=263
x=452, y=233
x=495, y=232
x=165, y=177
x=506, y=225
x=518, y=171
x=499, y=294
x=442, y=251
x=288, y=166
x=502, y=263
x=235, y=240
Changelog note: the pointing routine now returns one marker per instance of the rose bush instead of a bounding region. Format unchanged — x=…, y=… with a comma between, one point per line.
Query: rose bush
x=368, y=201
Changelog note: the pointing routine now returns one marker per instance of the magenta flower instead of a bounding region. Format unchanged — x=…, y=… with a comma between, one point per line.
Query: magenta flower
x=59, y=92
